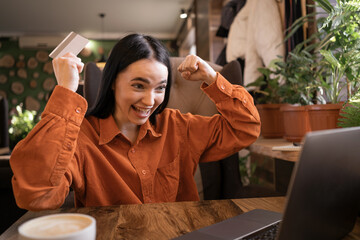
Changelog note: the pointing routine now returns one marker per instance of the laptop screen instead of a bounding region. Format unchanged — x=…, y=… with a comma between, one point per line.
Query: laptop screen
x=324, y=192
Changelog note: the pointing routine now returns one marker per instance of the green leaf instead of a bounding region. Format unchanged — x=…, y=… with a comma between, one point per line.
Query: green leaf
x=325, y=4
x=328, y=55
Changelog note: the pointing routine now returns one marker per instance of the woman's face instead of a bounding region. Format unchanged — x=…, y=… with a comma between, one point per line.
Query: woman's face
x=139, y=89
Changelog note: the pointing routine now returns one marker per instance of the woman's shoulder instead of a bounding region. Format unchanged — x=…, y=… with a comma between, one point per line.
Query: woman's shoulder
x=170, y=113
x=175, y=115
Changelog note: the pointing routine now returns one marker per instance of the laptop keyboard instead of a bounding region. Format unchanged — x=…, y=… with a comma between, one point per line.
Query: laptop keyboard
x=268, y=233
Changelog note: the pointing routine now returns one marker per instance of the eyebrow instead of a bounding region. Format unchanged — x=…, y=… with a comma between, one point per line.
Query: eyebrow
x=146, y=80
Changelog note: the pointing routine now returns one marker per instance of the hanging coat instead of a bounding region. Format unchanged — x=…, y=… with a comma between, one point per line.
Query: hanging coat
x=256, y=35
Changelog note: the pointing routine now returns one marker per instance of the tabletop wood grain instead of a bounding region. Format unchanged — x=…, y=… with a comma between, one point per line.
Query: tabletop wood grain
x=161, y=220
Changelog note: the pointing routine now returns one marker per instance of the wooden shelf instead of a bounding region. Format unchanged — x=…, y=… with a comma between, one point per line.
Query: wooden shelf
x=264, y=147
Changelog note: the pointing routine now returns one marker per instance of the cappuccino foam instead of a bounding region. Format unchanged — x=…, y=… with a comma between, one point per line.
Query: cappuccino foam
x=56, y=225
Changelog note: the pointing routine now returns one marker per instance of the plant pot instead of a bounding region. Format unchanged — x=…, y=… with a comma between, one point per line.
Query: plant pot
x=272, y=121
x=296, y=122
x=324, y=116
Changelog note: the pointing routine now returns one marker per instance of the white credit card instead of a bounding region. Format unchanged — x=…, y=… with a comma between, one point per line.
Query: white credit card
x=73, y=43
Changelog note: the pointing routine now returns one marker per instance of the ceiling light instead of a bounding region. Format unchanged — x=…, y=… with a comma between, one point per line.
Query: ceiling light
x=102, y=60
x=183, y=14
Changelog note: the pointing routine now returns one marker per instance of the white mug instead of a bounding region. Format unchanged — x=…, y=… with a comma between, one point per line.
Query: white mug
x=62, y=226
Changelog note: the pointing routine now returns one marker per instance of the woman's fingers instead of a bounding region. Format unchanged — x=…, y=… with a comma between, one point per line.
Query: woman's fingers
x=67, y=69
x=189, y=64
x=80, y=66
x=193, y=68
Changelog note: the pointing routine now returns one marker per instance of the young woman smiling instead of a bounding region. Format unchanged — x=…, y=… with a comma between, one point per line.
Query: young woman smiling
x=130, y=148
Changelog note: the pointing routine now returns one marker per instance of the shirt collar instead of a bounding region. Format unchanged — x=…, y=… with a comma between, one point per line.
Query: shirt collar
x=147, y=127
x=109, y=130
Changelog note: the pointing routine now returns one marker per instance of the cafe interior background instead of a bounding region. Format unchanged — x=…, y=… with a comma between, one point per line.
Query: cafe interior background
x=30, y=30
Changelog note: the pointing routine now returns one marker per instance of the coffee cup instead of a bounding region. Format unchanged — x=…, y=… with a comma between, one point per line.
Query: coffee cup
x=62, y=226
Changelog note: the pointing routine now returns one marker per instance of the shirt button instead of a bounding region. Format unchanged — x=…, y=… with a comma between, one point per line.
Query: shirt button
x=244, y=101
x=222, y=87
x=78, y=110
x=143, y=172
x=132, y=150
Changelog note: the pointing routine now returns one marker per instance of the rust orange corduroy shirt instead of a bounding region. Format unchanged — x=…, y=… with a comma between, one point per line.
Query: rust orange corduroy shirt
x=104, y=168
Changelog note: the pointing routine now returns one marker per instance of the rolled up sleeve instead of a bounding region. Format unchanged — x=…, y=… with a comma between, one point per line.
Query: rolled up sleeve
x=44, y=162
x=236, y=127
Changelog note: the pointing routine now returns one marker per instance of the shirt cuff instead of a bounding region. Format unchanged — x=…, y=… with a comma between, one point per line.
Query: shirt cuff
x=67, y=104
x=219, y=90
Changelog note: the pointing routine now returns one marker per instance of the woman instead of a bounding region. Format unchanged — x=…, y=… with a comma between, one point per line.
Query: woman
x=130, y=149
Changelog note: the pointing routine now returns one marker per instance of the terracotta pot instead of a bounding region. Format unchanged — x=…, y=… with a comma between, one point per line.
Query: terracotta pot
x=296, y=122
x=272, y=121
x=324, y=116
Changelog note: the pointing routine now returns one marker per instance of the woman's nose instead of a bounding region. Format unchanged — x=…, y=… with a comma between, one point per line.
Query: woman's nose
x=149, y=98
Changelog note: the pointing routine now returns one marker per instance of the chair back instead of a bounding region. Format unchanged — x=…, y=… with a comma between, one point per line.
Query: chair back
x=92, y=78
x=187, y=95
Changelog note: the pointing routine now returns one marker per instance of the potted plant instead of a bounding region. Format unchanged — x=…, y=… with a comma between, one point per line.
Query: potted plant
x=332, y=56
x=286, y=88
x=316, y=73
x=22, y=121
x=298, y=91
x=339, y=60
x=268, y=101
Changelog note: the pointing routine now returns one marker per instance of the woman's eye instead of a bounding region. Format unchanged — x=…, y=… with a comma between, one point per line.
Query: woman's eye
x=161, y=88
x=138, y=86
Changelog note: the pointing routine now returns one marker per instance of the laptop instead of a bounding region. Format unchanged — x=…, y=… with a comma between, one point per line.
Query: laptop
x=323, y=199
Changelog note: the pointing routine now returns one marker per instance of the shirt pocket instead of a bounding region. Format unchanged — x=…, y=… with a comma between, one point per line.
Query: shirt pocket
x=167, y=181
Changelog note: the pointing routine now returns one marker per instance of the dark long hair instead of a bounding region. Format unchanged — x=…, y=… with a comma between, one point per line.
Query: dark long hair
x=128, y=50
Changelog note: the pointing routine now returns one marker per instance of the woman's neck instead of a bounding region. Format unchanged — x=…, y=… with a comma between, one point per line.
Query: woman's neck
x=129, y=130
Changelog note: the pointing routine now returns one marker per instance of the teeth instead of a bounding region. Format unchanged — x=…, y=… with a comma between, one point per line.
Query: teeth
x=143, y=110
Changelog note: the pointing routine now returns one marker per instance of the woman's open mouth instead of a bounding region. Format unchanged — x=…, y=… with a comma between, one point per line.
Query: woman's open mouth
x=141, y=112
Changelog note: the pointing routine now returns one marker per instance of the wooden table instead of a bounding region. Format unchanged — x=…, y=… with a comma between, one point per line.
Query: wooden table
x=163, y=220
x=265, y=146
x=273, y=168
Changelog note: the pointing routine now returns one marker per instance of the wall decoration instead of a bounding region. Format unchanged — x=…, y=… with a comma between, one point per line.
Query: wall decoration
x=12, y=73
x=33, y=83
x=42, y=56
x=32, y=63
x=36, y=75
x=41, y=95
x=49, y=84
x=7, y=61
x=3, y=93
x=17, y=88
x=48, y=68
x=21, y=57
x=22, y=73
x=20, y=64
x=14, y=101
x=32, y=104
x=3, y=78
